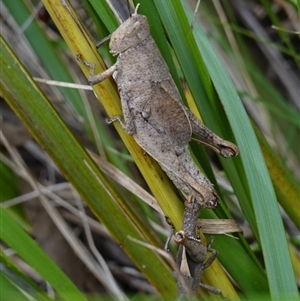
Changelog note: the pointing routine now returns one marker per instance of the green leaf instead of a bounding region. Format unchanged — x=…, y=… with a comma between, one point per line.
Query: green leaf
x=12, y=234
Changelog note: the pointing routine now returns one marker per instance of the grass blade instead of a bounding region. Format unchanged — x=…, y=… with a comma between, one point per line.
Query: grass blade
x=35, y=111
x=27, y=248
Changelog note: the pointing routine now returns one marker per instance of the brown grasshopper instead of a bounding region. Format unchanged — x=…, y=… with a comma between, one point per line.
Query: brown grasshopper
x=153, y=111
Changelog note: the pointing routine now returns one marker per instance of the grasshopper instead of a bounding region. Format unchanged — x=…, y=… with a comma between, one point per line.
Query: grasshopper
x=153, y=111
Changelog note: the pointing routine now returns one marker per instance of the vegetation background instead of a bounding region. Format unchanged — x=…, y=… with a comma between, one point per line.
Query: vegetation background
x=68, y=220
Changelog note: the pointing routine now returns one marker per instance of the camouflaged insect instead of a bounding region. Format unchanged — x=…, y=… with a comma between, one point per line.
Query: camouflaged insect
x=153, y=111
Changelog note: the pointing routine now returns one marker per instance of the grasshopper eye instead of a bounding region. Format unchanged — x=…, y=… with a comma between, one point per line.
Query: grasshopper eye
x=135, y=29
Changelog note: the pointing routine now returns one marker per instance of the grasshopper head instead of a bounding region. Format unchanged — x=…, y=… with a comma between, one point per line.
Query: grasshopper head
x=130, y=33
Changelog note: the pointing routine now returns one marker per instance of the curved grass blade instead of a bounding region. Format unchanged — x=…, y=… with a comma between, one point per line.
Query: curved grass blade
x=269, y=223
x=14, y=236
x=271, y=232
x=42, y=120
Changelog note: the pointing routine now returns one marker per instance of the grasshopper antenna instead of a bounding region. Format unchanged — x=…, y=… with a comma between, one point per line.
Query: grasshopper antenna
x=103, y=41
x=136, y=9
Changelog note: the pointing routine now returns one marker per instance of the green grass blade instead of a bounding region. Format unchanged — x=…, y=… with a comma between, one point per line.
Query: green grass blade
x=251, y=165
x=10, y=291
x=16, y=276
x=9, y=189
x=272, y=235
x=268, y=218
x=286, y=187
x=101, y=7
x=48, y=55
x=12, y=234
x=42, y=120
x=44, y=50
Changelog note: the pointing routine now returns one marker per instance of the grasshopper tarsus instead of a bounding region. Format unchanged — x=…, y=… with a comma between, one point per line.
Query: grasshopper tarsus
x=84, y=62
x=229, y=150
x=125, y=126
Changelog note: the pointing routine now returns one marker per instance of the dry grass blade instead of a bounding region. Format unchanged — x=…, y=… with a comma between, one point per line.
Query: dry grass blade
x=218, y=226
x=118, y=176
